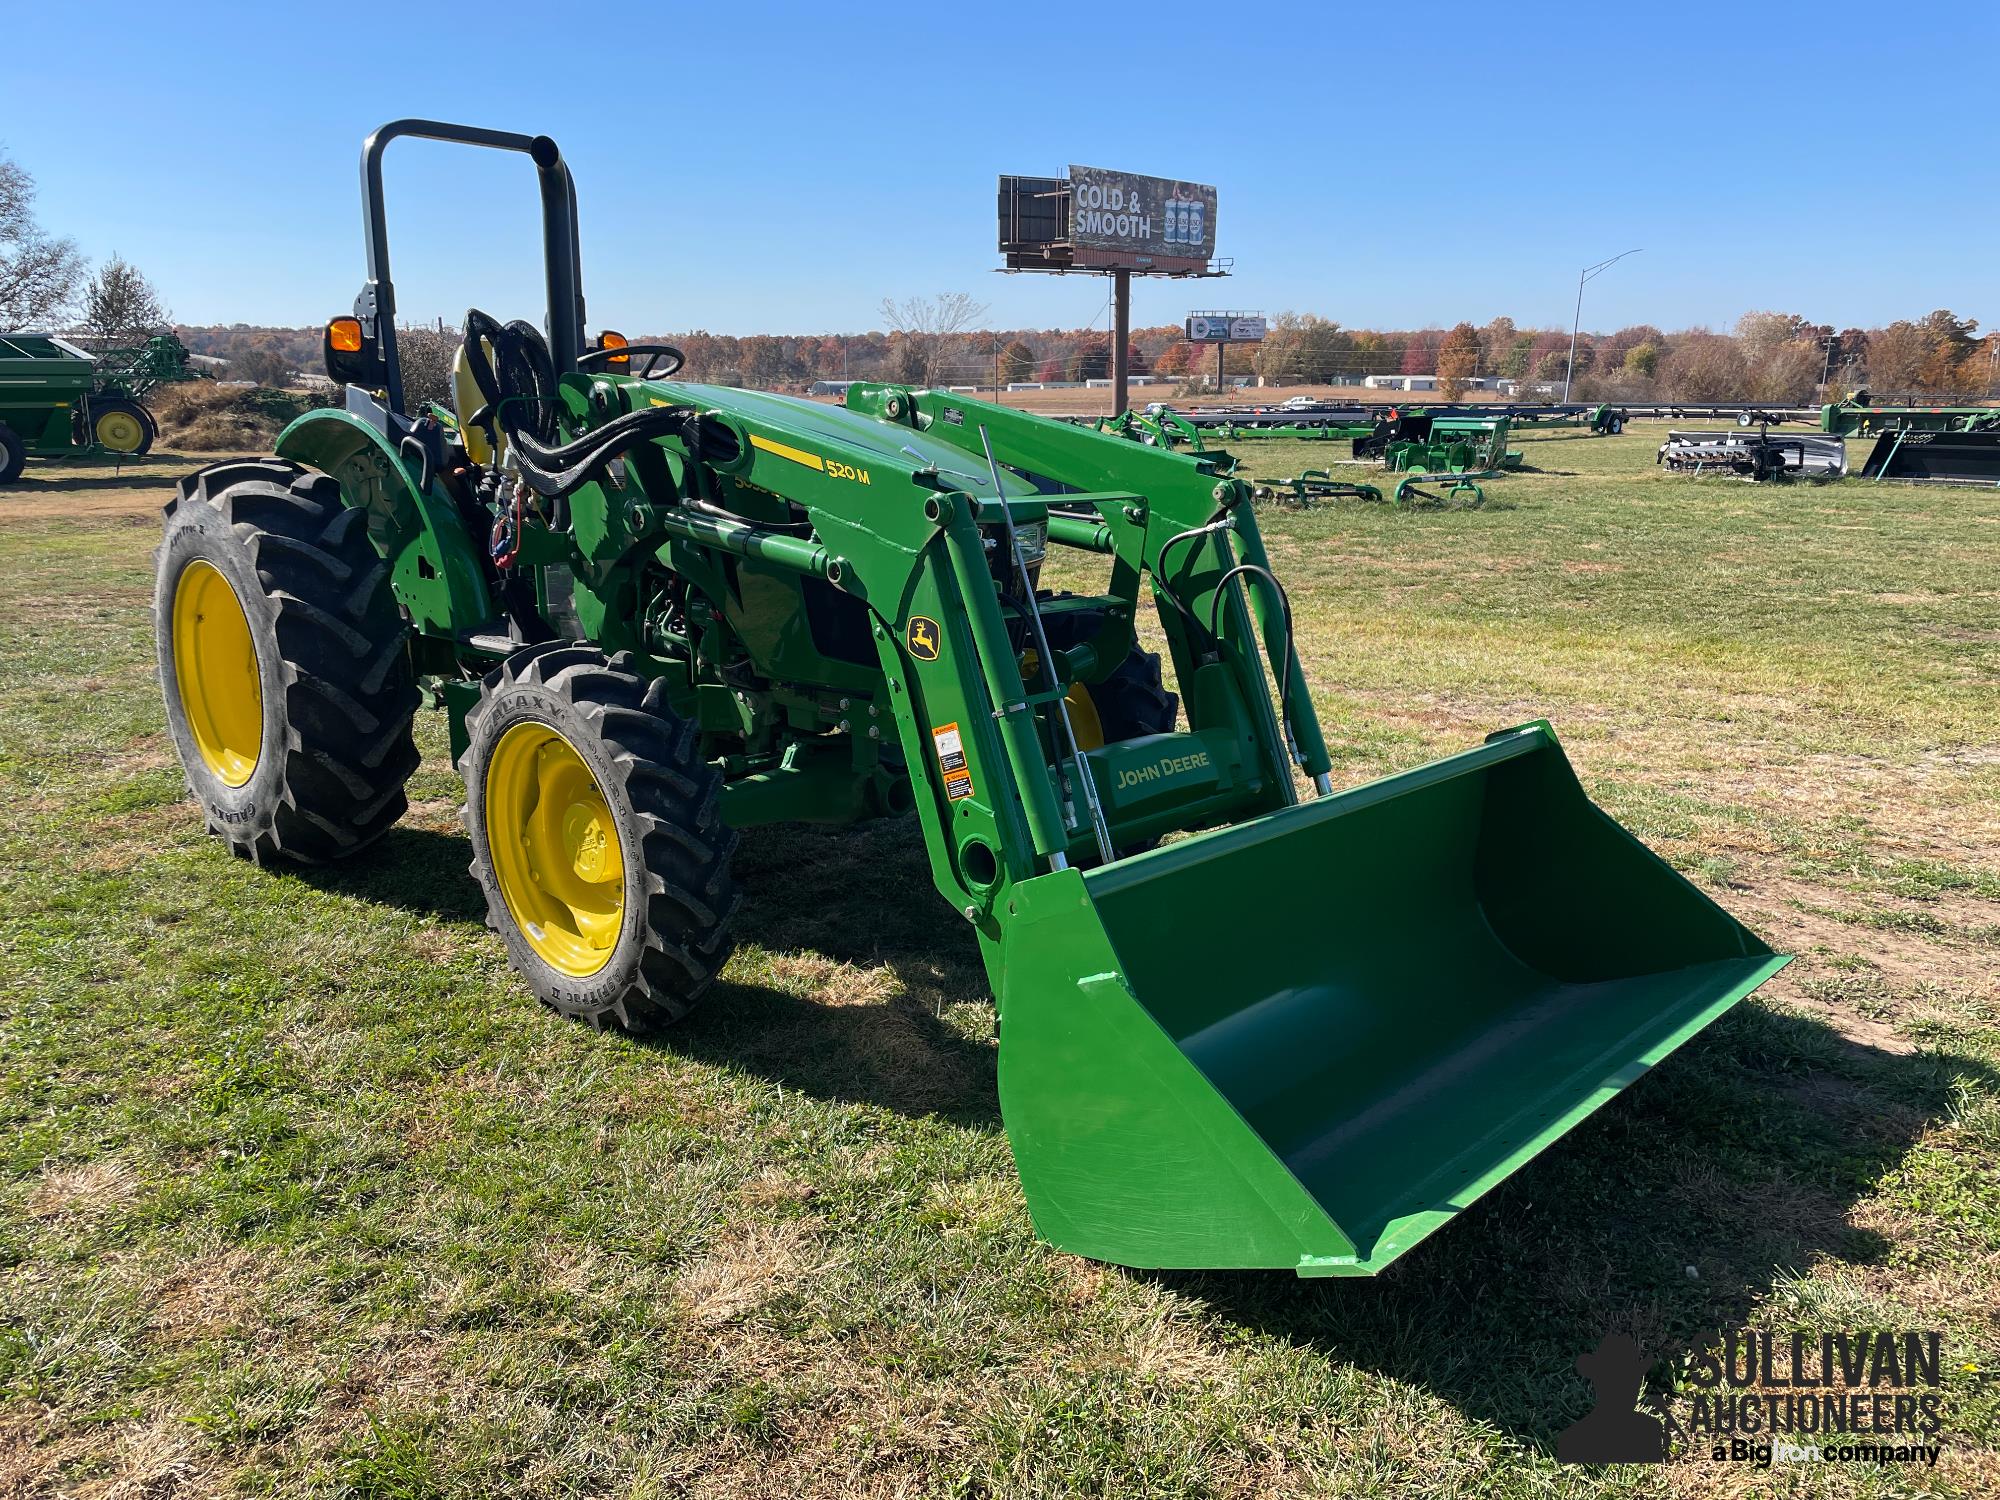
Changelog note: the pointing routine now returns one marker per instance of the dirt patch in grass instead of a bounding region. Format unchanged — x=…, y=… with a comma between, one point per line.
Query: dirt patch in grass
x=82, y=1189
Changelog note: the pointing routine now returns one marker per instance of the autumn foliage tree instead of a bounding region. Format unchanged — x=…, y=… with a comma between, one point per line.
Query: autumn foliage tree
x=1458, y=358
x=1017, y=362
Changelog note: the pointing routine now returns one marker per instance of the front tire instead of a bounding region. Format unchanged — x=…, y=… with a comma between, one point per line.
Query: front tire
x=283, y=662
x=597, y=837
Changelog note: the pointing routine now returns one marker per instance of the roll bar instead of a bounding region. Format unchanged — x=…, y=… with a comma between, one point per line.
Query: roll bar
x=376, y=305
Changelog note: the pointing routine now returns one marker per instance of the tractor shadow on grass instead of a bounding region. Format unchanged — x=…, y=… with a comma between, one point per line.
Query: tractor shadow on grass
x=866, y=959
x=1740, y=1158
x=135, y=476
x=417, y=870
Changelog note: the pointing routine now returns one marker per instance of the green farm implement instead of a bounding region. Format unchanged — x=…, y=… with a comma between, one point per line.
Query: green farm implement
x=135, y=371
x=59, y=399
x=1436, y=491
x=1302, y=490
x=1298, y=432
x=1246, y=1019
x=1421, y=443
x=1857, y=417
x=1156, y=427
x=1163, y=427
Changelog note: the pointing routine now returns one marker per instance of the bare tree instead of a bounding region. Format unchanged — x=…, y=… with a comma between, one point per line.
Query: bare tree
x=120, y=305
x=260, y=367
x=426, y=355
x=38, y=274
x=931, y=330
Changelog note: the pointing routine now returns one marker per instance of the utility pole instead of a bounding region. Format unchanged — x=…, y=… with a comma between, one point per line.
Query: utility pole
x=1584, y=275
x=1121, y=294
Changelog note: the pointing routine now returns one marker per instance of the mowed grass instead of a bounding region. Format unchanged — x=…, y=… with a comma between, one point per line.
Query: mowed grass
x=300, y=1194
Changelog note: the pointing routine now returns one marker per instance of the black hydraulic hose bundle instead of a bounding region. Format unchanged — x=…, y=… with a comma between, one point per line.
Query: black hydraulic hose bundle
x=1220, y=522
x=566, y=468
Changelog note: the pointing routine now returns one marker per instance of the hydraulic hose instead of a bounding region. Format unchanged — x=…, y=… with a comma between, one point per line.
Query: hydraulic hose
x=1285, y=613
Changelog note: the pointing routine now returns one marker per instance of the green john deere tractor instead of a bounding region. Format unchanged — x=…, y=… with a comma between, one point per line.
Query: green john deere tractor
x=1245, y=1018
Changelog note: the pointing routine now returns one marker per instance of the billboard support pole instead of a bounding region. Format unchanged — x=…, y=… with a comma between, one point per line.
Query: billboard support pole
x=1121, y=339
x=1219, y=348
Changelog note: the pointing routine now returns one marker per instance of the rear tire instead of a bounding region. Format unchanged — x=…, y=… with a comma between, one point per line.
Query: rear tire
x=283, y=662
x=1133, y=700
x=13, y=454
x=121, y=425
x=597, y=837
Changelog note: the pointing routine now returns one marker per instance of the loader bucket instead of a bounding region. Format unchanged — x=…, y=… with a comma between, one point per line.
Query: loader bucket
x=1308, y=1040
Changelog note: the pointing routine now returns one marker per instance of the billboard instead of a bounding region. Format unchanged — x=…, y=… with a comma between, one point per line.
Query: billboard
x=1121, y=219
x=1096, y=219
x=1225, y=328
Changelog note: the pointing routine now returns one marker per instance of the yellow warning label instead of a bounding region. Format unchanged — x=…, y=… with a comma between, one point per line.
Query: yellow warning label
x=951, y=761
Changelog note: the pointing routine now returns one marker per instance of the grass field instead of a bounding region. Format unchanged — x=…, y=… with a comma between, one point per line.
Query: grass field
x=300, y=1194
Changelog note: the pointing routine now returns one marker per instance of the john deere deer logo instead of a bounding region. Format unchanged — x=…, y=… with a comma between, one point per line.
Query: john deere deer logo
x=922, y=636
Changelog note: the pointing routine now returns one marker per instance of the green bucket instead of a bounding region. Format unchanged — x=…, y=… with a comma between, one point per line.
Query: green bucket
x=1309, y=1040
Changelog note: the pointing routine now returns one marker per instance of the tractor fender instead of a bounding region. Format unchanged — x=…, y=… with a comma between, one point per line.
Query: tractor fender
x=434, y=564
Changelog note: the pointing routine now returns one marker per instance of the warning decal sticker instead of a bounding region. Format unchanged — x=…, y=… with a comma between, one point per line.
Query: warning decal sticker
x=951, y=761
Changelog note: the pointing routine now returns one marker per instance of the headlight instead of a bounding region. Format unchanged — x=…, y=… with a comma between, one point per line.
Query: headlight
x=1033, y=537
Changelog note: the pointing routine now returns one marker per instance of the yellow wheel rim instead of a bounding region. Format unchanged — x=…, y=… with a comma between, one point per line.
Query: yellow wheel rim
x=120, y=431
x=215, y=670
x=555, y=849
x=1084, y=722
x=1083, y=719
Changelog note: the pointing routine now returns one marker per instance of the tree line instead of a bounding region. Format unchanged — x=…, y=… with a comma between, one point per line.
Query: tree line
x=1781, y=357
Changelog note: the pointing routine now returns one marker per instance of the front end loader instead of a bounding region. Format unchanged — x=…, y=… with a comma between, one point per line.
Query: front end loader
x=1246, y=1019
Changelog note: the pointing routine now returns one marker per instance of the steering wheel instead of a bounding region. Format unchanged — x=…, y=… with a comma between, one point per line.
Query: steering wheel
x=652, y=353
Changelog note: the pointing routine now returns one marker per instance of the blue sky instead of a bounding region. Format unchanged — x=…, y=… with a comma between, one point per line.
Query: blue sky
x=756, y=167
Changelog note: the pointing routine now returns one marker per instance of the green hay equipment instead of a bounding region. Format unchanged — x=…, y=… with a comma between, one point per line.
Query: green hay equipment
x=57, y=399
x=1245, y=1019
x=1435, y=492
x=1302, y=490
x=1421, y=443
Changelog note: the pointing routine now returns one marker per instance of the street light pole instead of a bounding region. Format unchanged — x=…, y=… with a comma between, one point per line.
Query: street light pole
x=1582, y=276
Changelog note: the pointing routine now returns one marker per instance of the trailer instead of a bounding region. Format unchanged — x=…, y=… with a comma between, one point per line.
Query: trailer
x=57, y=398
